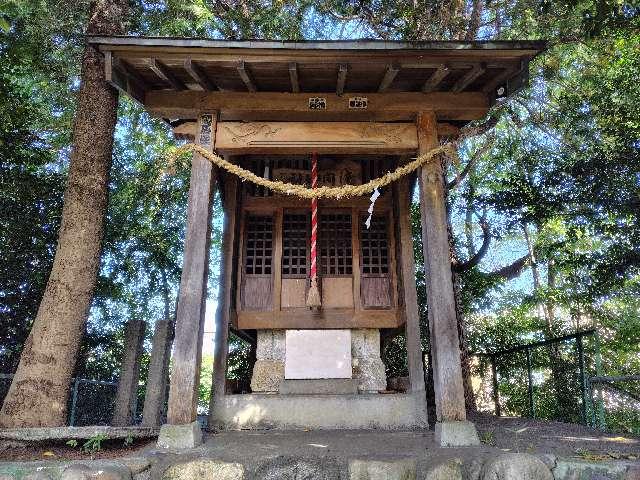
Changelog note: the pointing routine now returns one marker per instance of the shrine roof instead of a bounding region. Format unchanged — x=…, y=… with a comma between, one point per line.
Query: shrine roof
x=139, y=65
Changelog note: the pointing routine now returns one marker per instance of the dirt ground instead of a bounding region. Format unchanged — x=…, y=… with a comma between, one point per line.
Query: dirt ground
x=561, y=439
x=508, y=434
x=17, y=451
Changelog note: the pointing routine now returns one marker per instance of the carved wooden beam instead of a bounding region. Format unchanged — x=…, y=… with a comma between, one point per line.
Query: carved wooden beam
x=162, y=71
x=199, y=76
x=243, y=71
x=389, y=76
x=298, y=137
x=293, y=76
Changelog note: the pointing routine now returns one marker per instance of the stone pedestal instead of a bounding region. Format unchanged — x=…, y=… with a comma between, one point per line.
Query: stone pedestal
x=367, y=367
x=268, y=371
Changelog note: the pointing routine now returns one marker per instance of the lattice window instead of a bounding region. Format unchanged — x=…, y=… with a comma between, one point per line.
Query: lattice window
x=258, y=254
x=374, y=246
x=295, y=244
x=335, y=244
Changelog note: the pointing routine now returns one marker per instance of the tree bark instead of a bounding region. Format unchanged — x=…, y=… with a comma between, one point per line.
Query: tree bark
x=40, y=388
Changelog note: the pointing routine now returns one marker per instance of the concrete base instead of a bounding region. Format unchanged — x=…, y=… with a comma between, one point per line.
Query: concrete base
x=329, y=386
x=386, y=412
x=180, y=436
x=456, y=434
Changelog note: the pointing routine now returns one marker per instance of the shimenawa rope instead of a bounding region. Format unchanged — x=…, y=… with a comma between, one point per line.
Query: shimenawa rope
x=345, y=191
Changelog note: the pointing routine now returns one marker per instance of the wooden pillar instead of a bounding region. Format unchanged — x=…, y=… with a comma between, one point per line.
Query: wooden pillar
x=445, y=350
x=407, y=267
x=189, y=330
x=127, y=393
x=227, y=261
x=156, y=392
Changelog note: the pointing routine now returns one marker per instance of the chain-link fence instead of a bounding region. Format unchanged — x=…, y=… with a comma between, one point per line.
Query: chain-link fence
x=557, y=379
x=91, y=401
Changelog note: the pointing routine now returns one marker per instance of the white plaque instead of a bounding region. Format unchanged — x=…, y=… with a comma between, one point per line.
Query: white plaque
x=314, y=354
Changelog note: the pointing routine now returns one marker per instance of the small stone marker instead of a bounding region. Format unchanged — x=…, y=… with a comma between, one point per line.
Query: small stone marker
x=180, y=436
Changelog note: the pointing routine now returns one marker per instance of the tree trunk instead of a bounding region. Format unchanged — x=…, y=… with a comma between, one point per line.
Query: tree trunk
x=40, y=388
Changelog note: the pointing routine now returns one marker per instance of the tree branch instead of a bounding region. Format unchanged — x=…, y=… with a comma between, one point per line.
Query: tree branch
x=473, y=261
x=471, y=163
x=512, y=271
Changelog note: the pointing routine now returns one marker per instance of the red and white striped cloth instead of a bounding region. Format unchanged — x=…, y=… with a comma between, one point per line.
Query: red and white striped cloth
x=313, y=296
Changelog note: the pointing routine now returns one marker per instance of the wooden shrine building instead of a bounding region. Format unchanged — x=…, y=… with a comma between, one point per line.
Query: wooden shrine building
x=363, y=108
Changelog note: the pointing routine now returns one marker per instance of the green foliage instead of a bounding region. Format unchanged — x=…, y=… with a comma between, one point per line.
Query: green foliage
x=94, y=444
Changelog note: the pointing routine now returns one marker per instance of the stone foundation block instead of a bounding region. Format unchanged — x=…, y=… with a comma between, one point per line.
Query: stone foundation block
x=286, y=467
x=180, y=436
x=270, y=345
x=370, y=374
x=515, y=466
x=456, y=434
x=84, y=472
x=365, y=342
x=451, y=470
x=267, y=376
x=378, y=470
x=204, y=469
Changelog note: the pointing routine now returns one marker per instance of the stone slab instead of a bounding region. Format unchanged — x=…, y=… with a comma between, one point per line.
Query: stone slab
x=180, y=436
x=362, y=411
x=404, y=469
x=315, y=354
x=204, y=469
x=40, y=434
x=456, y=434
x=333, y=386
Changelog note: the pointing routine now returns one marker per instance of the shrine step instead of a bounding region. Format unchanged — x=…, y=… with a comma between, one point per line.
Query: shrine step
x=325, y=386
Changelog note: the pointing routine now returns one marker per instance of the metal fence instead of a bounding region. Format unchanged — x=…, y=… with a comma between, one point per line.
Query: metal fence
x=91, y=401
x=560, y=379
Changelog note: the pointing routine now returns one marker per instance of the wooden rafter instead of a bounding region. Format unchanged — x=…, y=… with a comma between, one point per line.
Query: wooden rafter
x=245, y=75
x=121, y=76
x=293, y=76
x=162, y=71
x=468, y=78
x=342, y=78
x=389, y=76
x=499, y=79
x=436, y=77
x=196, y=72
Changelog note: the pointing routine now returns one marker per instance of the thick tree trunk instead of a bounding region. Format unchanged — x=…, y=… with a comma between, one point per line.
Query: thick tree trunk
x=40, y=389
x=127, y=394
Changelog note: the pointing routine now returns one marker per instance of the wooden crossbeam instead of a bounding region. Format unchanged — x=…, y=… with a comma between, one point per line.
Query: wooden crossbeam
x=293, y=76
x=436, y=77
x=295, y=106
x=243, y=71
x=162, y=71
x=342, y=79
x=389, y=76
x=196, y=72
x=468, y=78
